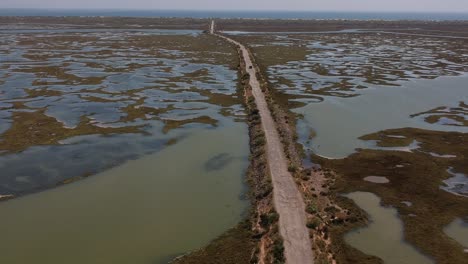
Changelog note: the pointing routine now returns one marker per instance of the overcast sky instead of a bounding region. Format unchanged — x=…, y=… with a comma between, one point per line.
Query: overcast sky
x=301, y=5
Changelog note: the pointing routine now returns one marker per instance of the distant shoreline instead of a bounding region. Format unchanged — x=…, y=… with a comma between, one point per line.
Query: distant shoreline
x=303, y=15
x=440, y=29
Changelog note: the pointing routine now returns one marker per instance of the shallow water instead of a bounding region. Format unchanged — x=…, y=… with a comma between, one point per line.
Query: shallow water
x=383, y=237
x=137, y=85
x=143, y=211
x=458, y=230
x=356, y=84
x=150, y=196
x=457, y=184
x=342, y=64
x=377, y=179
x=339, y=122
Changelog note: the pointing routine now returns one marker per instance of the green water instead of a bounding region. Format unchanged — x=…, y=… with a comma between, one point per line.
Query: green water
x=144, y=211
x=383, y=237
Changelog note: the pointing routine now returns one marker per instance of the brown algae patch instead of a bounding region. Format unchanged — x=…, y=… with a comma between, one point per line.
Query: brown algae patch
x=36, y=128
x=58, y=72
x=33, y=93
x=451, y=116
x=170, y=124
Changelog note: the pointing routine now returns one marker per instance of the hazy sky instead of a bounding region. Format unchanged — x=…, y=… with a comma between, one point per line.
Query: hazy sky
x=302, y=5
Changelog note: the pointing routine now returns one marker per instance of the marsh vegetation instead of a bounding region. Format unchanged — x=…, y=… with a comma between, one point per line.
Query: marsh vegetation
x=116, y=113
x=378, y=105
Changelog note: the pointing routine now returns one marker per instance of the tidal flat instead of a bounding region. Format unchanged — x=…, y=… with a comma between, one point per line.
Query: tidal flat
x=118, y=145
x=62, y=91
x=377, y=103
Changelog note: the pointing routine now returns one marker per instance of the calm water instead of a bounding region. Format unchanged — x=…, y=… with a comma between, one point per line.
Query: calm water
x=386, y=228
x=365, y=83
x=144, y=211
x=458, y=230
x=128, y=77
x=152, y=195
x=377, y=109
x=236, y=14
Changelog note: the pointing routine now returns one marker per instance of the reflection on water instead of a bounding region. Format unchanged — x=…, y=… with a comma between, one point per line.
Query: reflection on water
x=356, y=84
x=110, y=79
x=143, y=211
x=342, y=64
x=218, y=162
x=42, y=166
x=457, y=184
x=339, y=122
x=383, y=237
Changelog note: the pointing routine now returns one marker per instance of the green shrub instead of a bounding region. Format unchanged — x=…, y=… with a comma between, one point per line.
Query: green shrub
x=259, y=141
x=278, y=251
x=292, y=168
x=313, y=224
x=254, y=111
x=267, y=219
x=311, y=209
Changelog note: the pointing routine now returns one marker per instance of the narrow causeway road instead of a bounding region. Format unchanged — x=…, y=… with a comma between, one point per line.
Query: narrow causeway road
x=287, y=199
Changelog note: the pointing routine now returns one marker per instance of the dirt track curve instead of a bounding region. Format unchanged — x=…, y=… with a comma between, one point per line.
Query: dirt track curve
x=287, y=199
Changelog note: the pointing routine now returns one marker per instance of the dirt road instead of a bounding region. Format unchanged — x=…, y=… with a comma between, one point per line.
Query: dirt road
x=287, y=199
x=212, y=27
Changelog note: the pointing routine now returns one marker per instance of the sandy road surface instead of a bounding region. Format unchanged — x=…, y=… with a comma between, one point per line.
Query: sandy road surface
x=286, y=196
x=212, y=27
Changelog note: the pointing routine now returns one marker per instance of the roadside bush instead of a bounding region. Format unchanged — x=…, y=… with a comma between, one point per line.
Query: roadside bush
x=313, y=224
x=311, y=209
x=259, y=141
x=278, y=251
x=292, y=168
x=267, y=219
x=254, y=111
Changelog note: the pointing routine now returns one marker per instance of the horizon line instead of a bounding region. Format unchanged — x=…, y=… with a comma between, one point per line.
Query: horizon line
x=232, y=10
